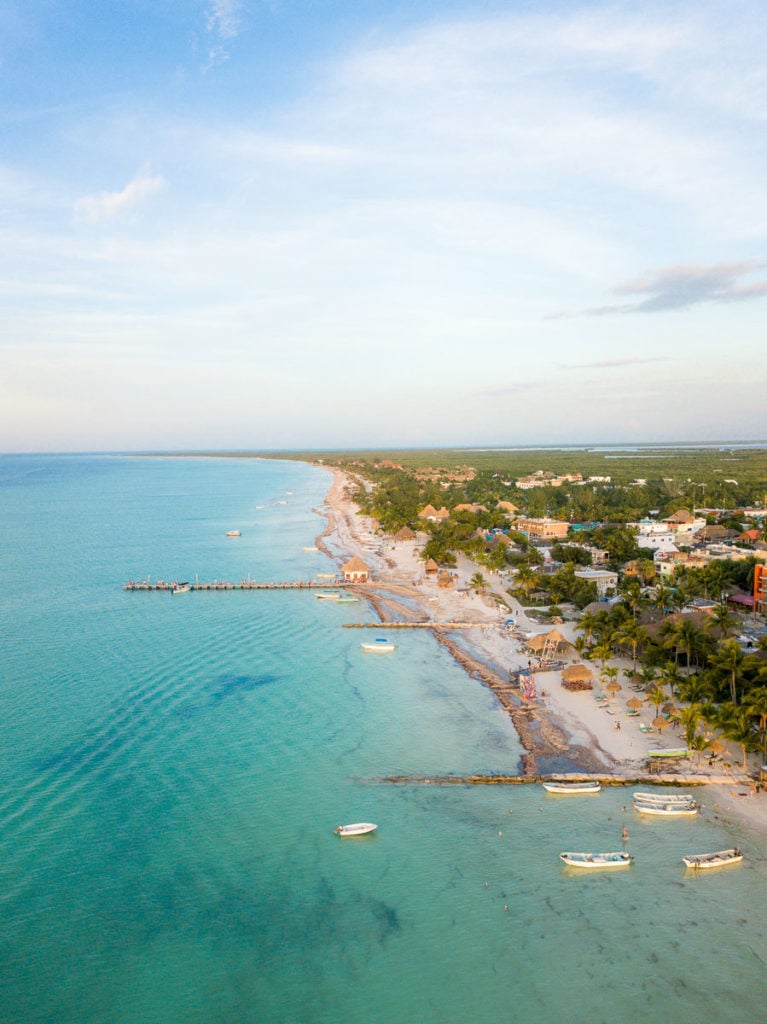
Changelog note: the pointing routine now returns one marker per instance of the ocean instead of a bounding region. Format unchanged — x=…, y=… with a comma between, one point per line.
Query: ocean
x=172, y=768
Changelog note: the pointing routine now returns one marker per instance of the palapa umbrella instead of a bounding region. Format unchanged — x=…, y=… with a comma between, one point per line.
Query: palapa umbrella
x=715, y=746
x=634, y=704
x=660, y=723
x=614, y=686
x=670, y=709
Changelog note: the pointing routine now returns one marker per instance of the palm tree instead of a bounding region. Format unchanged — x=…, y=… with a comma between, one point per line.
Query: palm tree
x=671, y=677
x=695, y=689
x=698, y=743
x=690, y=720
x=729, y=661
x=756, y=704
x=525, y=580
x=657, y=696
x=737, y=725
x=632, y=634
x=477, y=581
x=721, y=620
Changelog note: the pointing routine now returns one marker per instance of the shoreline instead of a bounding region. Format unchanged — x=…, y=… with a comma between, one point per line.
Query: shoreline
x=559, y=726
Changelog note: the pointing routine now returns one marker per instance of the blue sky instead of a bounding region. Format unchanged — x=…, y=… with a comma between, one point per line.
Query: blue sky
x=305, y=223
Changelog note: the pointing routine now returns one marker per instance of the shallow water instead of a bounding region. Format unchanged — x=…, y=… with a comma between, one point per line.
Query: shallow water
x=171, y=769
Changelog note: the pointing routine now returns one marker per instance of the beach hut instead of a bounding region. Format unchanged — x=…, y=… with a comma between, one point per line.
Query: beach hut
x=545, y=645
x=577, y=677
x=355, y=571
x=430, y=566
x=405, y=534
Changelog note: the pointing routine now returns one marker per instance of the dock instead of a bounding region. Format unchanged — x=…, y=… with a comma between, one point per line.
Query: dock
x=241, y=585
x=412, y=625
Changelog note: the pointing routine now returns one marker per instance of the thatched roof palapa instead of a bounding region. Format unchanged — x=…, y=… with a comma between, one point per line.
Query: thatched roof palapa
x=577, y=677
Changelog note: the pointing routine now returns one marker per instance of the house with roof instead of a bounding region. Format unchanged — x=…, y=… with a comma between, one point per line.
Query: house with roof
x=546, y=529
x=605, y=580
x=355, y=571
x=434, y=515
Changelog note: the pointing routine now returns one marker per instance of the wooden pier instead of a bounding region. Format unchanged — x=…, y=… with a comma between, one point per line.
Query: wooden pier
x=413, y=625
x=241, y=585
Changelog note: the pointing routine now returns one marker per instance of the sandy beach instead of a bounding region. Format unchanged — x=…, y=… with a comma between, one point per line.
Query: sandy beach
x=595, y=736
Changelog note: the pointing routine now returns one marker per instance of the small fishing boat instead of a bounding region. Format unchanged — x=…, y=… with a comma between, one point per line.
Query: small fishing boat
x=348, y=599
x=665, y=798
x=327, y=595
x=311, y=549
x=360, y=828
x=380, y=646
x=597, y=860
x=180, y=588
x=720, y=859
x=233, y=533
x=572, y=787
x=668, y=810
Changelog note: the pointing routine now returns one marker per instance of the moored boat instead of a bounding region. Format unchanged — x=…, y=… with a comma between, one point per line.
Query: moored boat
x=311, y=549
x=348, y=599
x=618, y=859
x=381, y=646
x=665, y=798
x=669, y=810
x=180, y=588
x=233, y=533
x=671, y=752
x=718, y=859
x=359, y=828
x=327, y=595
x=573, y=787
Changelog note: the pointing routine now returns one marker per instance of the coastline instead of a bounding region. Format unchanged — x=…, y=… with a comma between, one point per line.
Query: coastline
x=570, y=730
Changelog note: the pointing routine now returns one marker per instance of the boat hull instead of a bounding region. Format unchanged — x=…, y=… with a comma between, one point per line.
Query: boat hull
x=572, y=788
x=708, y=861
x=667, y=810
x=379, y=647
x=360, y=828
x=596, y=861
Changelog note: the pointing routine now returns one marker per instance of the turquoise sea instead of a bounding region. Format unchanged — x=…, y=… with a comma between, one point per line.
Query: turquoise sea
x=171, y=770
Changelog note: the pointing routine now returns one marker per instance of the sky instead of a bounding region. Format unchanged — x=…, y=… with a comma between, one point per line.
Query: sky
x=259, y=224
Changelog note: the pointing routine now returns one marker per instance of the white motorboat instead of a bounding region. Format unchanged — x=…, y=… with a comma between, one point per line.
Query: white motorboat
x=665, y=798
x=668, y=810
x=379, y=646
x=578, y=788
x=311, y=549
x=719, y=859
x=326, y=595
x=597, y=860
x=233, y=533
x=180, y=588
x=360, y=828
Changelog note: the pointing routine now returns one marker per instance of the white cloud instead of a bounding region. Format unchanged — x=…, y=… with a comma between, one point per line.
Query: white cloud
x=108, y=205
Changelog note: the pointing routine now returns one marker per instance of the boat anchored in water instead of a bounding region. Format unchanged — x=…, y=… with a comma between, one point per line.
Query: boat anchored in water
x=573, y=787
x=180, y=588
x=596, y=860
x=381, y=646
x=359, y=828
x=719, y=859
x=668, y=810
x=665, y=798
x=233, y=533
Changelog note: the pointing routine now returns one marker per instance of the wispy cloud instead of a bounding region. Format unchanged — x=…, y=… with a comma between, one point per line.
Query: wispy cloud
x=613, y=364
x=108, y=205
x=222, y=23
x=680, y=287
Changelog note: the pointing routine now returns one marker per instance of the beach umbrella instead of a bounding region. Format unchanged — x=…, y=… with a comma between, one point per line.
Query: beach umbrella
x=660, y=722
x=614, y=686
x=670, y=709
x=635, y=703
x=715, y=746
